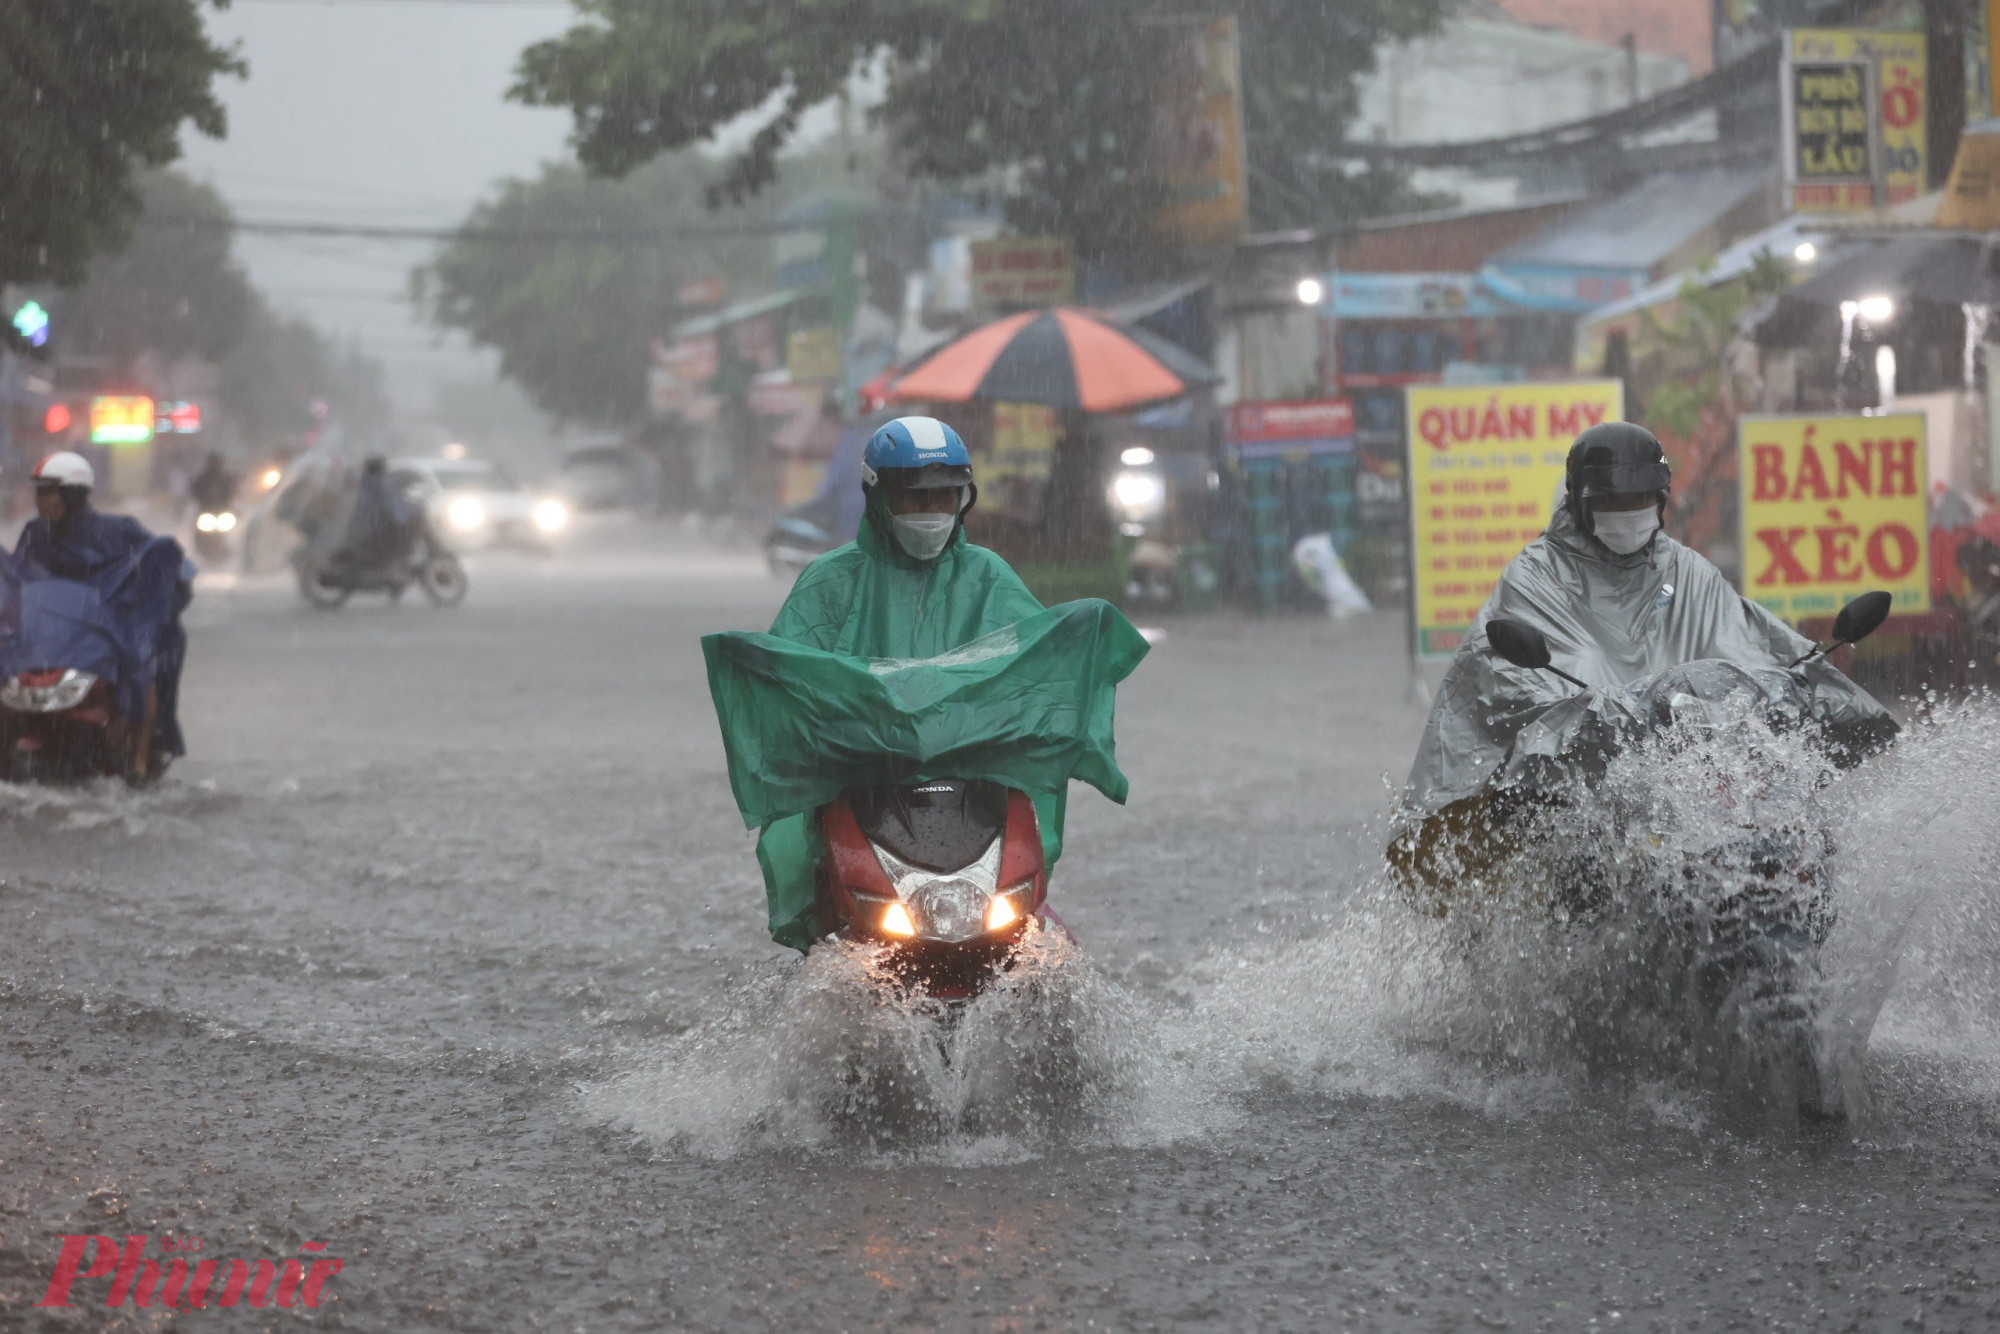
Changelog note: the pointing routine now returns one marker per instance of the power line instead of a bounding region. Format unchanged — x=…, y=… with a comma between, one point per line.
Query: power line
x=410, y=4
x=388, y=232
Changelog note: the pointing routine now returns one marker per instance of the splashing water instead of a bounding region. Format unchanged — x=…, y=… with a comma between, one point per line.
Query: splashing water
x=831, y=1051
x=1517, y=1001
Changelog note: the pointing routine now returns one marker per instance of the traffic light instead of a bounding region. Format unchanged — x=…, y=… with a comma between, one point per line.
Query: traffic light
x=32, y=323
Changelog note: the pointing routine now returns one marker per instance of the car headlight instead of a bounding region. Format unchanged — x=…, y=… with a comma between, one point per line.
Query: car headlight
x=66, y=692
x=465, y=514
x=224, y=522
x=551, y=516
x=205, y=522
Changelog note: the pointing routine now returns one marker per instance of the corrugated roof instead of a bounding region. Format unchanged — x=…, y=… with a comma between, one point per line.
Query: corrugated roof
x=1646, y=224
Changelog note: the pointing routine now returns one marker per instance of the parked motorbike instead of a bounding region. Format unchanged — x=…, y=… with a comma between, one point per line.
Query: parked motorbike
x=946, y=878
x=328, y=580
x=211, y=533
x=1740, y=900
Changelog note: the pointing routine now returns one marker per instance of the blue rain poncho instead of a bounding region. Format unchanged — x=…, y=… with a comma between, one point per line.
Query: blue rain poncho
x=99, y=593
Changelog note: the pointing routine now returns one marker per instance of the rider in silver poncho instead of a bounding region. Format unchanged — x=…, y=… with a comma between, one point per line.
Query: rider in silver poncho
x=1619, y=602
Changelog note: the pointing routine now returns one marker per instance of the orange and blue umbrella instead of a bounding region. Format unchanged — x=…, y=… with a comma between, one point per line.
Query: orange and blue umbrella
x=1064, y=357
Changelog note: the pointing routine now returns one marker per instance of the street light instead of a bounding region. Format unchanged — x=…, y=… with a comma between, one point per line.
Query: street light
x=1806, y=253
x=1311, y=291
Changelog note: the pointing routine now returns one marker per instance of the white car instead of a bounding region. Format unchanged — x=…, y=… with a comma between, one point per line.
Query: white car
x=474, y=503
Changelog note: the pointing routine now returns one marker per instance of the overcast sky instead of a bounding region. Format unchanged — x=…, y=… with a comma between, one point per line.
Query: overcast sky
x=376, y=111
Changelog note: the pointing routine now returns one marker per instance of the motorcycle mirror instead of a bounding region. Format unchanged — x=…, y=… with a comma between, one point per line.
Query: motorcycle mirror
x=1861, y=617
x=1524, y=646
x=1518, y=642
x=1857, y=620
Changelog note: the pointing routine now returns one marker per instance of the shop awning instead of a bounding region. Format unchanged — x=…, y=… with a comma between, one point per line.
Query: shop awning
x=739, y=312
x=1605, y=253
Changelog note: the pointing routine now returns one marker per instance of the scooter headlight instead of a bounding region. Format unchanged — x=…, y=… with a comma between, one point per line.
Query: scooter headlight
x=952, y=906
x=66, y=692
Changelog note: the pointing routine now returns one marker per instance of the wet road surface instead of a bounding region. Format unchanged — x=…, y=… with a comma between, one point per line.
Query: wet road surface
x=444, y=947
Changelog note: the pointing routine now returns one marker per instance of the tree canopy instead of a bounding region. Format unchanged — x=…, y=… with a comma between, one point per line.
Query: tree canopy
x=173, y=289
x=91, y=91
x=1059, y=91
x=569, y=276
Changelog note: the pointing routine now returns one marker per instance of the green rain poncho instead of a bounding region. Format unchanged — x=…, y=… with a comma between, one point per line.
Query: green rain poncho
x=871, y=674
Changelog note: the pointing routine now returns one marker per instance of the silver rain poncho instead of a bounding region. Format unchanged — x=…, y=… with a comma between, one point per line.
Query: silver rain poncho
x=1612, y=621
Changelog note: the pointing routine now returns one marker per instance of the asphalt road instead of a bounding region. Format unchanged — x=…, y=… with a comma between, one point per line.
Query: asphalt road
x=444, y=947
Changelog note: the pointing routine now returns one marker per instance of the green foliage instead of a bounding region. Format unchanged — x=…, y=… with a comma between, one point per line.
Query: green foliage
x=173, y=290
x=1060, y=90
x=90, y=91
x=571, y=314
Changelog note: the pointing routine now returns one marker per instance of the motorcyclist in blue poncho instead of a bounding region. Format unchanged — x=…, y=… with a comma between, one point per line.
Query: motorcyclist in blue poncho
x=134, y=587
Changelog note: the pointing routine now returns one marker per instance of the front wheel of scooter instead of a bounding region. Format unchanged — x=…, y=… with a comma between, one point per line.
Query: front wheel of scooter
x=443, y=580
x=321, y=595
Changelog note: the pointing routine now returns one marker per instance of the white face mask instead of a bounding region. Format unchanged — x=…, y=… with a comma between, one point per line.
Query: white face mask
x=923, y=536
x=1626, y=531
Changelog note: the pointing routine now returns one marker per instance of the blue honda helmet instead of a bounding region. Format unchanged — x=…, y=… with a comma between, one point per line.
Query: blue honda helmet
x=916, y=453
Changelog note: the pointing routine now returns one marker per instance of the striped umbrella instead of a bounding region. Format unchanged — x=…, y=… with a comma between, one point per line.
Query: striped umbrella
x=1066, y=358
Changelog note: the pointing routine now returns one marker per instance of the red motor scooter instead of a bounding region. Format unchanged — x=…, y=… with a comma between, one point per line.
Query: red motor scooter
x=947, y=877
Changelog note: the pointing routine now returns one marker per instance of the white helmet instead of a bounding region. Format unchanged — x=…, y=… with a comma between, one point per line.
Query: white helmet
x=65, y=469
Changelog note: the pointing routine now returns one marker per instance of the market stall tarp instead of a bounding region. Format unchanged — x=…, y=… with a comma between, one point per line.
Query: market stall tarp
x=1029, y=705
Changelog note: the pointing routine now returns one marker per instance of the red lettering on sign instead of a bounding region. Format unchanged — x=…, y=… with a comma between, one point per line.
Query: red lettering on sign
x=1836, y=552
x=1850, y=468
x=1768, y=470
x=1882, y=562
x=1899, y=467
x=1810, y=484
x=1778, y=541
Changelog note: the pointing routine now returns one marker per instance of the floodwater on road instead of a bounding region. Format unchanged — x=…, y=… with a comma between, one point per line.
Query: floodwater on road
x=444, y=946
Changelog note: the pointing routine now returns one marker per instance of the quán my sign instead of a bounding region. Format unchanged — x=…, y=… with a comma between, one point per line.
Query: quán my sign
x=1485, y=463
x=1833, y=506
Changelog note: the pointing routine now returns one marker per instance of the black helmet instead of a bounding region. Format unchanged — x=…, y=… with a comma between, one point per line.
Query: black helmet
x=1615, y=459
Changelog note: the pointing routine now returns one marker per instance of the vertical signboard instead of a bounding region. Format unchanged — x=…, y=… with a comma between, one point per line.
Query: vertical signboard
x=1833, y=506
x=1485, y=464
x=1196, y=146
x=1854, y=119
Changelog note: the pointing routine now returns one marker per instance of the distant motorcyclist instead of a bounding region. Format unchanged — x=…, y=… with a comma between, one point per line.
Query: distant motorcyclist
x=383, y=523
x=214, y=487
x=909, y=586
x=71, y=539
x=1618, y=601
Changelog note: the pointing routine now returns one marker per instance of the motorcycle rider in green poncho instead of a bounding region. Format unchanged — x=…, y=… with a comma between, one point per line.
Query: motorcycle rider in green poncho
x=909, y=586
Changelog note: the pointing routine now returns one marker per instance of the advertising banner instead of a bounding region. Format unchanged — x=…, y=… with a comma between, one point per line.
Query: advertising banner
x=1023, y=271
x=1832, y=507
x=1854, y=118
x=1409, y=296
x=1485, y=463
x=1288, y=428
x=1196, y=147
